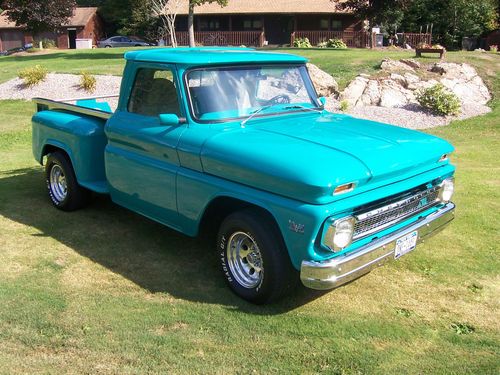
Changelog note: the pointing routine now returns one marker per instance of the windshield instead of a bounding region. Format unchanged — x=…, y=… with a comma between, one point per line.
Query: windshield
x=237, y=92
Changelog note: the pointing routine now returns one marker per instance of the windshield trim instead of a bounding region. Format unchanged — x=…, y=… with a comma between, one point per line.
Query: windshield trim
x=309, y=86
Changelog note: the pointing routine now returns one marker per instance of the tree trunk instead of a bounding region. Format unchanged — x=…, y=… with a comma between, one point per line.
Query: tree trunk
x=191, y=25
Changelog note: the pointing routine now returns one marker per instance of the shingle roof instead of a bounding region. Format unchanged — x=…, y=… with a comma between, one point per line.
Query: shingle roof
x=265, y=6
x=80, y=17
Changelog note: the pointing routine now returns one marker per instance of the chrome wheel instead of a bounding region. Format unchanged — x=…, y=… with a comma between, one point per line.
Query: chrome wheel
x=244, y=260
x=58, y=184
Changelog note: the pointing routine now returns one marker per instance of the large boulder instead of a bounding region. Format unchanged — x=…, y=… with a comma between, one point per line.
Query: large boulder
x=463, y=81
x=371, y=95
x=391, y=97
x=390, y=65
x=354, y=90
x=324, y=83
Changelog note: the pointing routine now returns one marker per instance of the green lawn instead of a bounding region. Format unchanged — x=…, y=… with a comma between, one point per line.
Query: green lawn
x=103, y=290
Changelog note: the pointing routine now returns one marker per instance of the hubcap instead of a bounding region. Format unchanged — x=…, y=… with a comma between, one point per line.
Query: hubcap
x=244, y=260
x=58, y=184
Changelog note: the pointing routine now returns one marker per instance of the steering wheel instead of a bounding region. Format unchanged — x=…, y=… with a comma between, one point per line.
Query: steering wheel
x=279, y=99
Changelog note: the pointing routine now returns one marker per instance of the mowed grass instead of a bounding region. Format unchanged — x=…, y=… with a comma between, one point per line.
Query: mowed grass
x=103, y=290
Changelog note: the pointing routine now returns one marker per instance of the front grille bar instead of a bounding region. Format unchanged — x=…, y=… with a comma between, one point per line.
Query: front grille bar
x=382, y=217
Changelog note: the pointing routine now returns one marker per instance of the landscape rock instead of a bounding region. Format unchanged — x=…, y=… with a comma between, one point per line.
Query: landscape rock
x=324, y=83
x=395, y=66
x=354, y=90
x=392, y=97
x=371, y=95
x=412, y=63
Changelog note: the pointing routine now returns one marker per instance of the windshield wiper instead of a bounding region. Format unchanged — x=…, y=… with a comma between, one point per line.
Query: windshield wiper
x=298, y=106
x=254, y=113
x=295, y=106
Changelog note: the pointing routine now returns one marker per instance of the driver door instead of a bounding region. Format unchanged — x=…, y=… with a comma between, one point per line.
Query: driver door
x=141, y=155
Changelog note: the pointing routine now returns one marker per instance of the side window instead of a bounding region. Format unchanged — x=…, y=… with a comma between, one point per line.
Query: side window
x=154, y=93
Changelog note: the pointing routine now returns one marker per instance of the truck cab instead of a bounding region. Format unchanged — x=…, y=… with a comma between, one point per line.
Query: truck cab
x=236, y=142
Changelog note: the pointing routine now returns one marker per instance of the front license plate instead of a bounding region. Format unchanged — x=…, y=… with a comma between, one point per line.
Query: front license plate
x=405, y=244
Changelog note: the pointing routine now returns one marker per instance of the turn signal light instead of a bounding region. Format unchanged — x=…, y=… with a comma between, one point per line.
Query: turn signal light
x=341, y=189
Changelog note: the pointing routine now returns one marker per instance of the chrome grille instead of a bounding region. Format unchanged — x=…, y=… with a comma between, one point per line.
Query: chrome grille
x=384, y=216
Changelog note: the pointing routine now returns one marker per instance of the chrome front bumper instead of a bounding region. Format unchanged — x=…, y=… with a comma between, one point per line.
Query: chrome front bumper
x=338, y=271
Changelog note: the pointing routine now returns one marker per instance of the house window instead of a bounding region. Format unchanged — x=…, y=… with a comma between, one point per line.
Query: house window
x=252, y=24
x=323, y=24
x=210, y=24
x=336, y=25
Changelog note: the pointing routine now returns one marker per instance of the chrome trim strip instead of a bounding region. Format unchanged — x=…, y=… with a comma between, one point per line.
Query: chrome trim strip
x=394, y=206
x=403, y=202
x=53, y=104
x=340, y=270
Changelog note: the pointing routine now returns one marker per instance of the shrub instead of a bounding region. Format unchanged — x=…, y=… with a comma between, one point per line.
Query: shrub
x=344, y=105
x=439, y=100
x=302, y=43
x=494, y=48
x=322, y=44
x=336, y=43
x=88, y=82
x=33, y=76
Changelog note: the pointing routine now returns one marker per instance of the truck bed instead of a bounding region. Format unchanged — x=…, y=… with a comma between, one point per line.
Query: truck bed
x=89, y=106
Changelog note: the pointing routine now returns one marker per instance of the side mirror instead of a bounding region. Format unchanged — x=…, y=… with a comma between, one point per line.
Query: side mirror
x=322, y=100
x=169, y=119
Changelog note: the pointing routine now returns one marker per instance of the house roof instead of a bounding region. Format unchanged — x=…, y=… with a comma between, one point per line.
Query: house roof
x=265, y=6
x=81, y=16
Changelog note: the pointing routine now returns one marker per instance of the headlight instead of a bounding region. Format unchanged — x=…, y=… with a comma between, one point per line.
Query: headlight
x=446, y=190
x=339, y=234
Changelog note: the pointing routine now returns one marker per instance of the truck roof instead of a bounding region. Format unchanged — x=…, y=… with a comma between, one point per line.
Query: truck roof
x=211, y=55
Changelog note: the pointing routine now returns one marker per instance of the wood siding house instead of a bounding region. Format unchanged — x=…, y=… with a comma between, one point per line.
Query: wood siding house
x=251, y=22
x=84, y=24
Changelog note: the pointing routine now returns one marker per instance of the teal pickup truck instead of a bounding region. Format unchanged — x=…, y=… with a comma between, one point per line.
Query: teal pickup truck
x=236, y=142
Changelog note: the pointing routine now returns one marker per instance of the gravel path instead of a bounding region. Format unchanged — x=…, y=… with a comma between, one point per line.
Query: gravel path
x=64, y=86
x=61, y=86
x=411, y=116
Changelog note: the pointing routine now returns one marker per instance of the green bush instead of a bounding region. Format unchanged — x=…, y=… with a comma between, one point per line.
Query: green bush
x=439, y=100
x=344, y=105
x=302, y=43
x=332, y=43
x=88, y=82
x=33, y=76
x=336, y=43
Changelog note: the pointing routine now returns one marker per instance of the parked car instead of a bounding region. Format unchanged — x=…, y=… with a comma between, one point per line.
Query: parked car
x=236, y=143
x=122, y=41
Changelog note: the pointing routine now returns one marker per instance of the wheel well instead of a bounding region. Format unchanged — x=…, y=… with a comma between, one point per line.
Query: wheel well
x=48, y=149
x=221, y=207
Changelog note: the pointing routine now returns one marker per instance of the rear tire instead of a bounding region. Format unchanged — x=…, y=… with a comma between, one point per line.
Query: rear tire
x=253, y=257
x=64, y=191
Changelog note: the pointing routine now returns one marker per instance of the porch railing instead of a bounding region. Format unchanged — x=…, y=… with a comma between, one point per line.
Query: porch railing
x=353, y=39
x=222, y=38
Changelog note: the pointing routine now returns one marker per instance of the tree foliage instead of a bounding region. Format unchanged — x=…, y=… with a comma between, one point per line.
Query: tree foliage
x=39, y=15
x=451, y=19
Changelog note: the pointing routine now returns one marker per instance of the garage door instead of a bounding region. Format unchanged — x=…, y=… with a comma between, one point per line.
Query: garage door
x=11, y=39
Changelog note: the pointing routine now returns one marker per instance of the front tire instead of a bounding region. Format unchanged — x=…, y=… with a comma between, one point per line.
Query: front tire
x=64, y=191
x=253, y=257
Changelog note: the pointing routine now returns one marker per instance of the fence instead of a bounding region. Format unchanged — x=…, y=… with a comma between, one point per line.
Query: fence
x=357, y=39
x=414, y=39
x=353, y=39
x=223, y=38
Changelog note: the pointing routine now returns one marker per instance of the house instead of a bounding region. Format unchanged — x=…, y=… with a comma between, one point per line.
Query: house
x=85, y=23
x=276, y=19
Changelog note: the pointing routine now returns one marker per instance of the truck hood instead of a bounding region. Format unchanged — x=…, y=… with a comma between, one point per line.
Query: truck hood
x=306, y=156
